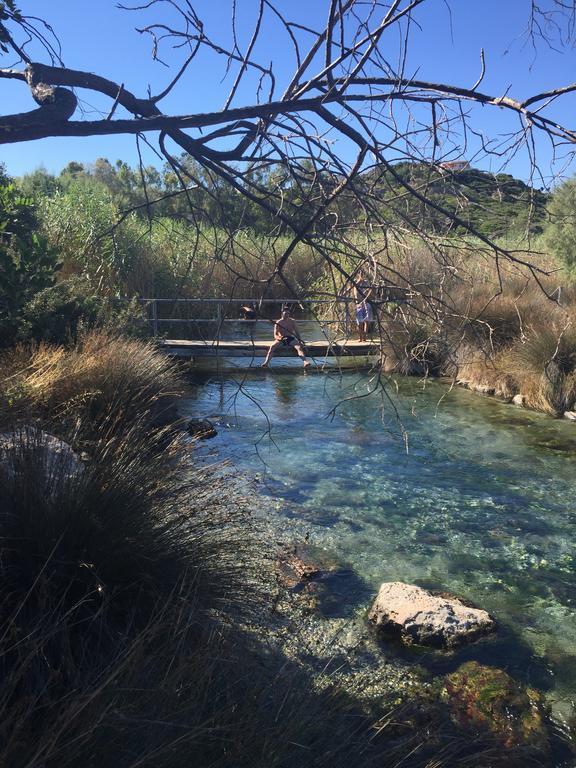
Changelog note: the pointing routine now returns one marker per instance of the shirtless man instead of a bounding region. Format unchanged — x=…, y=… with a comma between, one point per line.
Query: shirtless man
x=286, y=335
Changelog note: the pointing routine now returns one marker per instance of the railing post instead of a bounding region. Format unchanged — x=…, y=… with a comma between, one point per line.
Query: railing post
x=219, y=318
x=154, y=318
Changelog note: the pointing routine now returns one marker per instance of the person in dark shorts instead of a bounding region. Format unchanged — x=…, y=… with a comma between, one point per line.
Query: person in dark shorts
x=248, y=312
x=286, y=335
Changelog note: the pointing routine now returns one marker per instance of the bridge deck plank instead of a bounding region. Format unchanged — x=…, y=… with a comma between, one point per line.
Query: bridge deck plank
x=247, y=348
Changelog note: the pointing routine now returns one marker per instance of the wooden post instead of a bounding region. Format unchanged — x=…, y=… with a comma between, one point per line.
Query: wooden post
x=154, y=318
x=219, y=317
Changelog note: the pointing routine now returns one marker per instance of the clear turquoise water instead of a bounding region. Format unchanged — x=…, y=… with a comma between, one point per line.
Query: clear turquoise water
x=426, y=485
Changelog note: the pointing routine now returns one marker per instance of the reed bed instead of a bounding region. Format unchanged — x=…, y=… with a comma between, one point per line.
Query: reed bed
x=486, y=324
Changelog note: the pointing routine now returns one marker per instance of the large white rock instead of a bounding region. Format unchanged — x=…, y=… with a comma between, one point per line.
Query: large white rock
x=422, y=618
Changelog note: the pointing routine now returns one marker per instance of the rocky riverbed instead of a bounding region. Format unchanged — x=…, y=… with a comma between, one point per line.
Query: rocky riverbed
x=301, y=581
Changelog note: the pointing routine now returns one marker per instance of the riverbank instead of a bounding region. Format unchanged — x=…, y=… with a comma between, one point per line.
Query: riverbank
x=503, y=393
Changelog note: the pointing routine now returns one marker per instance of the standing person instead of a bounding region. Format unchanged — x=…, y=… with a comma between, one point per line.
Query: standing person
x=286, y=335
x=364, y=311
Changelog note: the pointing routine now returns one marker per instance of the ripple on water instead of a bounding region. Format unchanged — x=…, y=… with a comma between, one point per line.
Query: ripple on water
x=481, y=505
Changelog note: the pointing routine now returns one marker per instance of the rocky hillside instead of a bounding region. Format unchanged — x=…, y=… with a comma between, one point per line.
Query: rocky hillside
x=495, y=205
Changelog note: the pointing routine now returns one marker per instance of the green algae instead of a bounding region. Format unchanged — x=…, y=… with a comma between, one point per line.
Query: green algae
x=488, y=699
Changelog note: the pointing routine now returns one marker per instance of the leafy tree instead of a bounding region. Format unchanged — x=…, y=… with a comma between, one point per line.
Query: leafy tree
x=39, y=184
x=560, y=234
x=28, y=263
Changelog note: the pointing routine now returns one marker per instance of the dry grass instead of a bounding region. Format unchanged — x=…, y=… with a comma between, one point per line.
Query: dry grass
x=486, y=373
x=519, y=342
x=115, y=573
x=494, y=330
x=543, y=364
x=414, y=347
x=103, y=379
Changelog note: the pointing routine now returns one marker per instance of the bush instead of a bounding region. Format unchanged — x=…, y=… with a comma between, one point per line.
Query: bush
x=28, y=264
x=112, y=575
x=61, y=313
x=560, y=234
x=114, y=570
x=544, y=364
x=58, y=313
x=414, y=347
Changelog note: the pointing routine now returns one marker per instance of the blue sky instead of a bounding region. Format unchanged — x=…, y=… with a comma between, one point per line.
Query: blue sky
x=445, y=47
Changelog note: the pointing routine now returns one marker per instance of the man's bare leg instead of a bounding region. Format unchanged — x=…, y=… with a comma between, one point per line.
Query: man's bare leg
x=301, y=354
x=271, y=349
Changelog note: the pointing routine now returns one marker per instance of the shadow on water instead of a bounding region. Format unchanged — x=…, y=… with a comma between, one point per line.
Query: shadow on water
x=505, y=650
x=286, y=390
x=340, y=593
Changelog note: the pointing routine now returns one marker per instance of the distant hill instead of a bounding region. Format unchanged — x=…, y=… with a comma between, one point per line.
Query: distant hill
x=494, y=205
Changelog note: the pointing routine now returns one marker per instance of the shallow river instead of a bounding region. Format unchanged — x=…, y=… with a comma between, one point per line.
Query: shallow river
x=427, y=485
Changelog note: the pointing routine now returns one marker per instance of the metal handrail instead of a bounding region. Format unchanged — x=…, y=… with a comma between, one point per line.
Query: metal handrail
x=343, y=299
x=154, y=320
x=229, y=320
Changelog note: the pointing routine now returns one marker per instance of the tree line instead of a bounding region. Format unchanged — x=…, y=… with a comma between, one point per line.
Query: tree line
x=109, y=229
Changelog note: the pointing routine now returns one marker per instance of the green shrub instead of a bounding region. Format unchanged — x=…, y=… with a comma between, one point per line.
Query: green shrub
x=61, y=313
x=58, y=313
x=560, y=234
x=28, y=263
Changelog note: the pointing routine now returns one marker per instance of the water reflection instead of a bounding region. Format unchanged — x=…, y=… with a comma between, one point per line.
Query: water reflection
x=286, y=389
x=481, y=505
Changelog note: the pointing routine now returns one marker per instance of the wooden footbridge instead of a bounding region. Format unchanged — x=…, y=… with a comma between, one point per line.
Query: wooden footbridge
x=184, y=331
x=249, y=348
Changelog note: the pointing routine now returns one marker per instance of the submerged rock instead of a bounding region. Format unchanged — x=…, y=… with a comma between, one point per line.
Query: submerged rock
x=297, y=564
x=489, y=700
x=570, y=415
x=202, y=429
x=324, y=584
x=422, y=618
x=518, y=400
